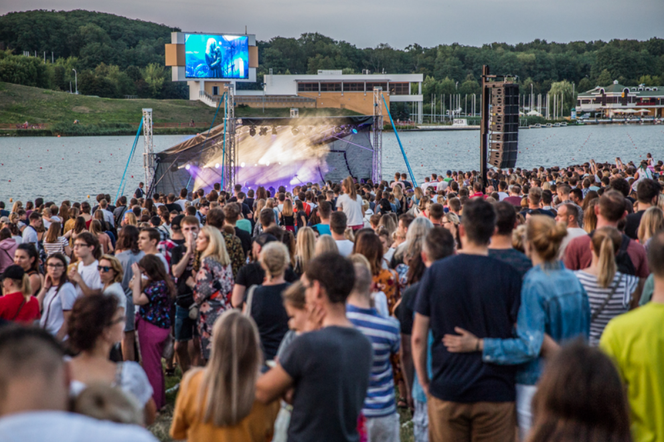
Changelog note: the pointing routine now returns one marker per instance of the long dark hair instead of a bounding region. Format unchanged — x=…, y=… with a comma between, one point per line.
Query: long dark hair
x=30, y=249
x=154, y=269
x=79, y=225
x=369, y=245
x=580, y=397
x=128, y=239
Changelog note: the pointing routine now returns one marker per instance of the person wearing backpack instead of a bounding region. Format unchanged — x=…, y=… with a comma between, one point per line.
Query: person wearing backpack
x=631, y=257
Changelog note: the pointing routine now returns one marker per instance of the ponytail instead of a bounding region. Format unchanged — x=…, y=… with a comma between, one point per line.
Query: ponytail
x=26, y=288
x=607, y=262
x=606, y=242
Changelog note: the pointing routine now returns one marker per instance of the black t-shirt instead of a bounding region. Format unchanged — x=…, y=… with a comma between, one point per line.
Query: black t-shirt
x=253, y=274
x=633, y=222
x=406, y=308
x=245, y=238
x=176, y=256
x=267, y=309
x=174, y=206
x=514, y=258
x=482, y=295
x=330, y=370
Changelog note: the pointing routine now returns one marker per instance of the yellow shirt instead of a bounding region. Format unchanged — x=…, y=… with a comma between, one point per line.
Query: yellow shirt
x=635, y=341
x=187, y=423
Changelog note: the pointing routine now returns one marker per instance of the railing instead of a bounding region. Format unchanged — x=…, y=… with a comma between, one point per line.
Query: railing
x=207, y=99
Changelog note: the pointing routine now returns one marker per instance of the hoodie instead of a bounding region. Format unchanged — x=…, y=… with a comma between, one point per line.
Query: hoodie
x=7, y=248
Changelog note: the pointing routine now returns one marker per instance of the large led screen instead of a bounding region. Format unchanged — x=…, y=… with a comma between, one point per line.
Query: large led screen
x=216, y=56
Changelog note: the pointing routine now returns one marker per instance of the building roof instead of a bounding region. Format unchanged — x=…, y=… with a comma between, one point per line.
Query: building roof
x=617, y=89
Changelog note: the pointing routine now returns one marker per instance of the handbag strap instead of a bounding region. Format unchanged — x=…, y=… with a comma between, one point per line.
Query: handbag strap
x=606, y=301
x=19, y=309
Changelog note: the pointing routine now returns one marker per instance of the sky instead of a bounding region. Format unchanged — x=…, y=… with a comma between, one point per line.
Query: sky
x=399, y=23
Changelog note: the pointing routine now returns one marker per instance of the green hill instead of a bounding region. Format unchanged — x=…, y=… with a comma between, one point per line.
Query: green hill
x=58, y=110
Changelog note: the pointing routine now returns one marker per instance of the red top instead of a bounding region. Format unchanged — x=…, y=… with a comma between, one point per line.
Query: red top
x=578, y=255
x=9, y=307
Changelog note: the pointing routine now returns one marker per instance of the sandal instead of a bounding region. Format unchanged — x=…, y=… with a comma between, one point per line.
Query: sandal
x=401, y=403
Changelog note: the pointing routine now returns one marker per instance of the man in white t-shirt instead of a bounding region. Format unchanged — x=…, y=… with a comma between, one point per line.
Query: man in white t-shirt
x=568, y=214
x=337, y=228
x=85, y=276
x=148, y=239
x=35, y=393
x=30, y=231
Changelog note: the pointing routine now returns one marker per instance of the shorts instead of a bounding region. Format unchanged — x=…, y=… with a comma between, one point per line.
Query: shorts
x=185, y=327
x=129, y=314
x=420, y=422
x=524, y=414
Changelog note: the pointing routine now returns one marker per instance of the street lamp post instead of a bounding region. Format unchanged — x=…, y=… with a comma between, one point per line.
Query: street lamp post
x=76, y=80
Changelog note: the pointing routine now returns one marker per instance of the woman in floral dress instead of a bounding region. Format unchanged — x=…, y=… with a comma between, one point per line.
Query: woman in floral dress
x=214, y=284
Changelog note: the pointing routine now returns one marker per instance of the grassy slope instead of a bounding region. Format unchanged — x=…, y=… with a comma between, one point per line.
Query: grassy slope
x=20, y=103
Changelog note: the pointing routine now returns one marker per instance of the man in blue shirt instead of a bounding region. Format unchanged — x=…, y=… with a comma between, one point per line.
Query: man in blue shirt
x=467, y=399
x=324, y=211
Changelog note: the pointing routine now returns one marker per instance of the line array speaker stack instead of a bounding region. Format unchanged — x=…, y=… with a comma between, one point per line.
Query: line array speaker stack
x=504, y=124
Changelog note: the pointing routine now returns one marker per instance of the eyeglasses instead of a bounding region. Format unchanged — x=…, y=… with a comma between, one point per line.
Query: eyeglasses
x=76, y=245
x=54, y=265
x=104, y=269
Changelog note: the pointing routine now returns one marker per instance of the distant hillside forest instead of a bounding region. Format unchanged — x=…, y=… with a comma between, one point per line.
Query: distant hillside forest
x=116, y=56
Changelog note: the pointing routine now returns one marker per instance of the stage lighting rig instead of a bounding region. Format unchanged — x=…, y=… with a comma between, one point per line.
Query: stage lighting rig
x=263, y=131
x=274, y=130
x=252, y=131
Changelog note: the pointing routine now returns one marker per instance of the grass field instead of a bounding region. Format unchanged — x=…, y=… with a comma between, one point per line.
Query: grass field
x=42, y=106
x=163, y=422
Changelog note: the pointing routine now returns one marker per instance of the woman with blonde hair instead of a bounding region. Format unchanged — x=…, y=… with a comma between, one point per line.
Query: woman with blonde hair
x=287, y=216
x=325, y=244
x=553, y=303
x=18, y=205
x=651, y=223
x=304, y=249
x=351, y=204
x=451, y=222
x=387, y=222
x=610, y=292
x=213, y=285
x=218, y=402
x=17, y=303
x=589, y=216
x=260, y=205
x=264, y=302
x=54, y=243
x=417, y=196
x=129, y=219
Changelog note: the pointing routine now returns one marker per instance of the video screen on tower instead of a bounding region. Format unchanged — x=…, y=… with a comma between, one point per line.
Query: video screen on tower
x=216, y=56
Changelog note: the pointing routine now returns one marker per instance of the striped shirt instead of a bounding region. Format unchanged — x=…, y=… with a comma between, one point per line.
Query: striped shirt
x=385, y=339
x=597, y=295
x=56, y=247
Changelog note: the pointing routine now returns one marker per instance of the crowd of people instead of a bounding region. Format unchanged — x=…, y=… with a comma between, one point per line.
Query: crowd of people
x=524, y=306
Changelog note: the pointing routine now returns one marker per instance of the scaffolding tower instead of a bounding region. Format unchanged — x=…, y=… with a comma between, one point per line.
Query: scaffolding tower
x=230, y=146
x=148, y=149
x=377, y=135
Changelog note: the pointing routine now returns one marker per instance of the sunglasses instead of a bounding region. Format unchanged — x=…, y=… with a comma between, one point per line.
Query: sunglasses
x=104, y=269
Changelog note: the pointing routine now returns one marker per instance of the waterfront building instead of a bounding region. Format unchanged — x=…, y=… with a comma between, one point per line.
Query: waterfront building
x=617, y=100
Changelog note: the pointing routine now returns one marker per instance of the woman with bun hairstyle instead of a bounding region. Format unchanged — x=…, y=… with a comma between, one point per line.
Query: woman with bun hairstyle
x=553, y=304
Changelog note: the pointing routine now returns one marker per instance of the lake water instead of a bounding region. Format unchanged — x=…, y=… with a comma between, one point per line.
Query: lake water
x=75, y=167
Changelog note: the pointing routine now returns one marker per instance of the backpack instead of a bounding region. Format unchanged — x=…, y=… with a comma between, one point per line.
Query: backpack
x=623, y=261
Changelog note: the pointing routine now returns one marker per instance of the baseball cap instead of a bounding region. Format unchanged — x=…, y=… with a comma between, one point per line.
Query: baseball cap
x=13, y=272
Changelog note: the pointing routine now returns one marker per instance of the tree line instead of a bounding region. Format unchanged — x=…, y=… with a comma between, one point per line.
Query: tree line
x=116, y=56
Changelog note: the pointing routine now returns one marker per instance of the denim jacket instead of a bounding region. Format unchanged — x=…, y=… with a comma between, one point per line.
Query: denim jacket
x=553, y=301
